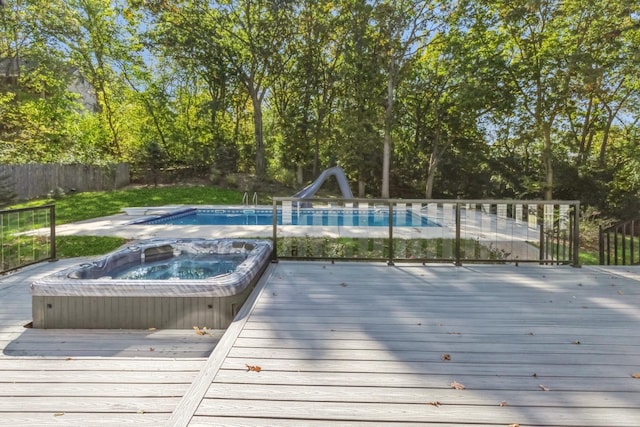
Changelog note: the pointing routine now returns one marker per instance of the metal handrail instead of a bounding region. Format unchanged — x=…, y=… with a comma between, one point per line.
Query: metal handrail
x=8, y=245
x=625, y=233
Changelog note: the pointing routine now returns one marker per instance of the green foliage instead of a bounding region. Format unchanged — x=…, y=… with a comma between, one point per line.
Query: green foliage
x=470, y=98
x=79, y=246
x=378, y=248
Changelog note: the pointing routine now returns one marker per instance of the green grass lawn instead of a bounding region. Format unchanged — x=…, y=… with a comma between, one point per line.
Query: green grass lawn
x=82, y=206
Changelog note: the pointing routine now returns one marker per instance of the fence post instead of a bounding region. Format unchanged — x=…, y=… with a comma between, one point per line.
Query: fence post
x=457, y=254
x=601, y=244
x=52, y=224
x=576, y=235
x=543, y=243
x=390, y=261
x=632, y=233
x=274, y=256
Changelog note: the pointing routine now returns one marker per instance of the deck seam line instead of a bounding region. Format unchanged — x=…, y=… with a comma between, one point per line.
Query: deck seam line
x=188, y=405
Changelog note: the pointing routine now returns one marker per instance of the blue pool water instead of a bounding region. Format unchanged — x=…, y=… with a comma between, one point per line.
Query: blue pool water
x=317, y=217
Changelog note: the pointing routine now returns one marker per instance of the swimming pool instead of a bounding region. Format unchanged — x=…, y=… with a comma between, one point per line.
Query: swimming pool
x=303, y=216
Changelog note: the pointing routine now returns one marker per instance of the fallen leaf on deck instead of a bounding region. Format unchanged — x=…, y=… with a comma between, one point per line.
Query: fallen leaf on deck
x=636, y=375
x=543, y=388
x=445, y=356
x=152, y=349
x=141, y=411
x=199, y=331
x=503, y=403
x=254, y=368
x=344, y=285
x=68, y=358
x=457, y=385
x=152, y=329
x=58, y=414
x=436, y=403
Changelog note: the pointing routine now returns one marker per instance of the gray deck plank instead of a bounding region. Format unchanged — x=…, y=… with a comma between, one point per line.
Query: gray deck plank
x=435, y=367
x=419, y=395
x=102, y=390
x=65, y=419
x=338, y=412
x=90, y=404
x=198, y=421
x=491, y=381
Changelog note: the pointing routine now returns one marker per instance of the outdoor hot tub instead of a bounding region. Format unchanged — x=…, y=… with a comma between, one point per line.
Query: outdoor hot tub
x=156, y=283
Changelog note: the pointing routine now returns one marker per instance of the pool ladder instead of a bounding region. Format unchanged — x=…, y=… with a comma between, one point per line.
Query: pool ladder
x=254, y=199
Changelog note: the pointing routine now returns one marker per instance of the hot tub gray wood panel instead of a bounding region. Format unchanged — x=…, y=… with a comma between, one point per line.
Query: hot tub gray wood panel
x=136, y=312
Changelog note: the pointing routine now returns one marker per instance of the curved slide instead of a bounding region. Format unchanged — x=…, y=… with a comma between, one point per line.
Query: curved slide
x=311, y=189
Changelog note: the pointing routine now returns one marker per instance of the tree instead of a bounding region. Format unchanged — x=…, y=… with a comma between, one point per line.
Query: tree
x=90, y=32
x=304, y=93
x=251, y=35
x=538, y=60
x=404, y=27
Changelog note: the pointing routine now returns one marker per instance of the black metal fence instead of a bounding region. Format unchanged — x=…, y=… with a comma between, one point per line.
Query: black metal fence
x=619, y=244
x=27, y=236
x=457, y=231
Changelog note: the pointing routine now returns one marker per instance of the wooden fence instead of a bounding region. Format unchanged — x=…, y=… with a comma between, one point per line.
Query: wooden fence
x=33, y=180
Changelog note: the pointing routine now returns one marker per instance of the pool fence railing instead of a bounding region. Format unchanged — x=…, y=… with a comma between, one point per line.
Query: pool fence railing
x=27, y=236
x=428, y=231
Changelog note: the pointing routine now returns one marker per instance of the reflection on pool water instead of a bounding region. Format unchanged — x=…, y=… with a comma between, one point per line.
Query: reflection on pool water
x=310, y=217
x=183, y=267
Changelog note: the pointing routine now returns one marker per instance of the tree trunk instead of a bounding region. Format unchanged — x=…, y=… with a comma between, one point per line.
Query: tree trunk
x=547, y=158
x=257, y=126
x=431, y=174
x=386, y=151
x=582, y=147
x=605, y=140
x=361, y=186
x=300, y=174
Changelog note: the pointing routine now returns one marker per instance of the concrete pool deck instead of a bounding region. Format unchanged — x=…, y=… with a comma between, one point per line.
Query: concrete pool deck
x=119, y=225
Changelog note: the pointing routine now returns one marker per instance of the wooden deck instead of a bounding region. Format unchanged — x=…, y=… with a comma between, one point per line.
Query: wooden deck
x=352, y=344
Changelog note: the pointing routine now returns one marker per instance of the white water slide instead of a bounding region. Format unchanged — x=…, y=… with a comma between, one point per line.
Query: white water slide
x=311, y=189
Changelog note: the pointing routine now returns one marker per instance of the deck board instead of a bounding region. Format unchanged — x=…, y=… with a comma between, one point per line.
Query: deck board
x=365, y=344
